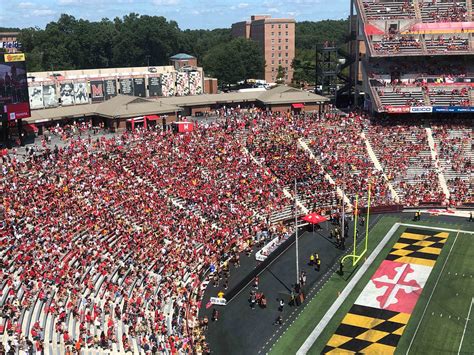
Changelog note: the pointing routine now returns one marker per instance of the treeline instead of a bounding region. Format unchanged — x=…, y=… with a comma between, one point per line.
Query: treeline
x=139, y=40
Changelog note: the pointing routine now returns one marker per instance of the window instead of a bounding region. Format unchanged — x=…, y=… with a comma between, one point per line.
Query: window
x=286, y=40
x=279, y=40
x=273, y=69
x=273, y=48
x=273, y=33
x=273, y=62
x=273, y=55
x=279, y=48
x=279, y=62
x=279, y=33
x=279, y=26
x=286, y=26
x=286, y=61
x=273, y=26
x=273, y=41
x=279, y=55
x=286, y=47
x=286, y=33
x=286, y=54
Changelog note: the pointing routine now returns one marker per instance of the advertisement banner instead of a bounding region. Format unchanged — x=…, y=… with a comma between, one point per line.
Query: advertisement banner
x=154, y=86
x=80, y=93
x=453, y=109
x=49, y=96
x=14, y=57
x=139, y=87
x=167, y=84
x=398, y=109
x=66, y=92
x=97, y=90
x=14, y=96
x=421, y=109
x=110, y=88
x=126, y=86
x=36, y=96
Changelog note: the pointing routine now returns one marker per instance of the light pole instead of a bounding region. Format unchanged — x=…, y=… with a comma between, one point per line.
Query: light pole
x=296, y=232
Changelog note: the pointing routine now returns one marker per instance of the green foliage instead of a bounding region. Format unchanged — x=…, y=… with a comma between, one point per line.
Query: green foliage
x=133, y=40
x=234, y=61
x=308, y=34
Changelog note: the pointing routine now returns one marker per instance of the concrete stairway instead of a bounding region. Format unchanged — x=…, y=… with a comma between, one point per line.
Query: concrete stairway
x=434, y=156
x=285, y=190
x=378, y=166
x=303, y=145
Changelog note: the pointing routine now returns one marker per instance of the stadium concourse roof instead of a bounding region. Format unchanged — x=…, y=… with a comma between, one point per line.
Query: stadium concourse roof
x=124, y=106
x=278, y=95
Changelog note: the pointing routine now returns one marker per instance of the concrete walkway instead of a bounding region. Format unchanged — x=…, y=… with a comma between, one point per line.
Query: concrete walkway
x=285, y=190
x=434, y=156
x=303, y=145
x=378, y=166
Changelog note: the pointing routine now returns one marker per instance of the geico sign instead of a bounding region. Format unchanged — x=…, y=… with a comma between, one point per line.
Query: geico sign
x=421, y=109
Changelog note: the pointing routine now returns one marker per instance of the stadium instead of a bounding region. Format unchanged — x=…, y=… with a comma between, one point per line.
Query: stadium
x=141, y=213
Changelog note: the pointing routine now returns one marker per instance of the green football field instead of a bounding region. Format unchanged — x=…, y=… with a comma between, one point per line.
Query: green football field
x=439, y=323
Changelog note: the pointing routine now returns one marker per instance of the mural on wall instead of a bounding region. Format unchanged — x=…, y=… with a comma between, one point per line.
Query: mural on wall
x=50, y=98
x=154, y=86
x=36, y=96
x=182, y=84
x=195, y=83
x=168, y=84
x=66, y=91
x=80, y=93
x=97, y=90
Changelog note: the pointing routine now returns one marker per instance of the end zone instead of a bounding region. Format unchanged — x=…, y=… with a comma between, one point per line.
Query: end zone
x=350, y=286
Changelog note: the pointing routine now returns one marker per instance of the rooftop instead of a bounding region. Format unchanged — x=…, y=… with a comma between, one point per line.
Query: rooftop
x=182, y=56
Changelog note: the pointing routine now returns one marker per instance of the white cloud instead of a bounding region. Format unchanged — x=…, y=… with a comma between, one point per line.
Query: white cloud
x=242, y=5
x=67, y=2
x=26, y=5
x=273, y=10
x=43, y=12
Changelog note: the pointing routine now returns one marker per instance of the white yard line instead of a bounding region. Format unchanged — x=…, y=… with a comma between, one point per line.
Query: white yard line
x=465, y=326
x=350, y=286
x=346, y=292
x=432, y=293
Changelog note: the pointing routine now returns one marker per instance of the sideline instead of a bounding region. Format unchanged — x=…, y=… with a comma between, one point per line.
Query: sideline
x=465, y=326
x=347, y=290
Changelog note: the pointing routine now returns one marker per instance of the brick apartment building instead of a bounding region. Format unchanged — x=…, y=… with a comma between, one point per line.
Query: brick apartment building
x=9, y=42
x=276, y=36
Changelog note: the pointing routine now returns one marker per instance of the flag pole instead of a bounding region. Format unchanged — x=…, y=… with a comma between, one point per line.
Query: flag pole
x=296, y=232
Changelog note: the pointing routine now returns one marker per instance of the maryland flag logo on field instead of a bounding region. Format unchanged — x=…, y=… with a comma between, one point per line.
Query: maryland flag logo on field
x=377, y=320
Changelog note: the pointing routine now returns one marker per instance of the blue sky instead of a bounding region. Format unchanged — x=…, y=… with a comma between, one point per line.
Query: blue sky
x=192, y=14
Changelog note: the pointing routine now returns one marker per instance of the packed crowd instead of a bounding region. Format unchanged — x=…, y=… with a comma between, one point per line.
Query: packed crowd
x=437, y=11
x=106, y=241
x=400, y=151
x=453, y=145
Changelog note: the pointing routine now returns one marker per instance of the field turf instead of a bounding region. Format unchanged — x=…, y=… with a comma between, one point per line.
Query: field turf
x=438, y=321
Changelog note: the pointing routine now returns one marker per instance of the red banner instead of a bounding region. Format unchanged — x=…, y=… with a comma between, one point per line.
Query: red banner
x=398, y=109
x=185, y=127
x=17, y=111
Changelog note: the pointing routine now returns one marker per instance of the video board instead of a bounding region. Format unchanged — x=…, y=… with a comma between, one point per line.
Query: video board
x=14, y=98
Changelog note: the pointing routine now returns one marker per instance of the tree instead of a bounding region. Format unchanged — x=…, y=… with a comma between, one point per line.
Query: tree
x=234, y=61
x=281, y=75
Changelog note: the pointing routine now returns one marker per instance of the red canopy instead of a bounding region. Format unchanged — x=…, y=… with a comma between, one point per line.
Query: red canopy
x=372, y=30
x=314, y=218
x=297, y=105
